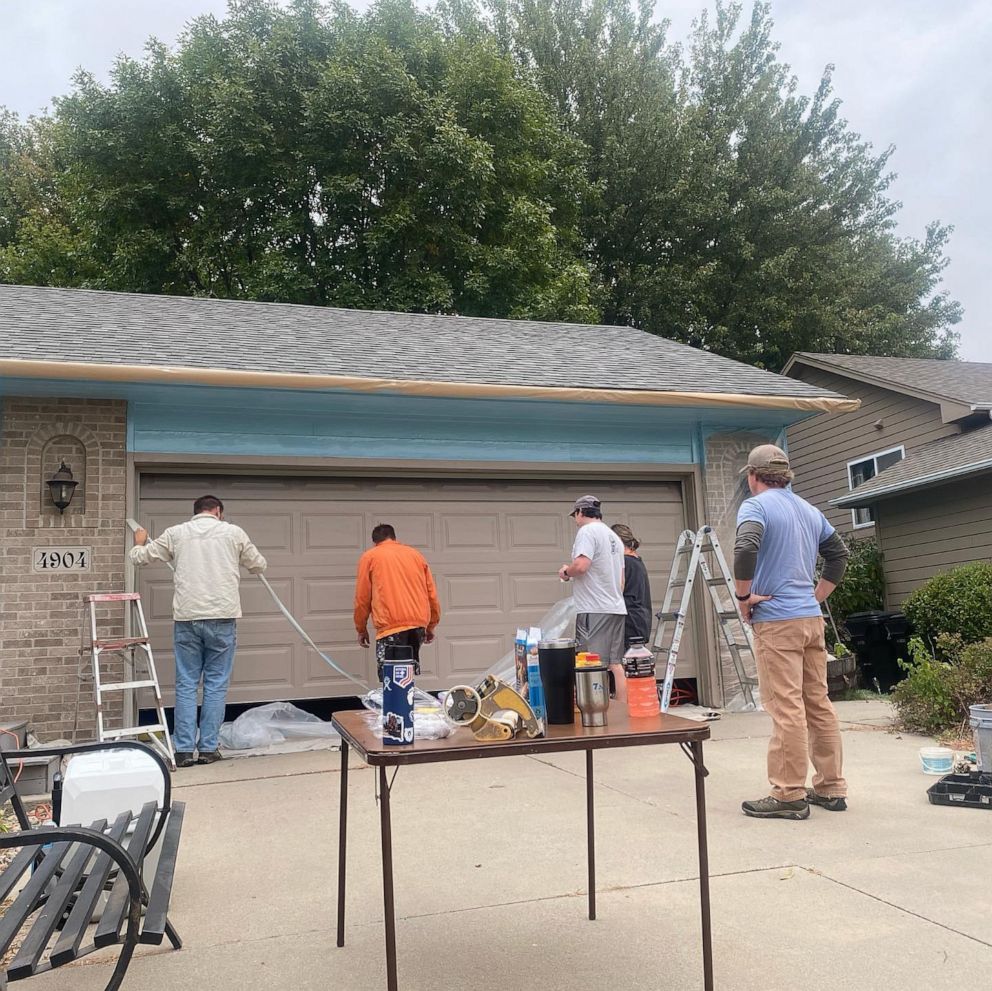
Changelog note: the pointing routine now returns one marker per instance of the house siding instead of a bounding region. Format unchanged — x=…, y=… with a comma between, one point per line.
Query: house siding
x=40, y=613
x=821, y=447
x=920, y=537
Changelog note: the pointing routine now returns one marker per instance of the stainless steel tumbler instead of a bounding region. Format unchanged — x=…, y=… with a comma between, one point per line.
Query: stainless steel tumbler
x=592, y=689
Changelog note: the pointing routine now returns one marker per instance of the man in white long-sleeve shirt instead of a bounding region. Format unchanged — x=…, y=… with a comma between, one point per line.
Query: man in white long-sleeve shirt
x=207, y=555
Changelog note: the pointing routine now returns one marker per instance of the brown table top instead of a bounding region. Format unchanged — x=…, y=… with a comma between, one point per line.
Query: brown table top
x=622, y=731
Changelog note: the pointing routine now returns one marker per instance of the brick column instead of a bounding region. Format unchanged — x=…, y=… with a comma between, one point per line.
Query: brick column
x=725, y=490
x=41, y=611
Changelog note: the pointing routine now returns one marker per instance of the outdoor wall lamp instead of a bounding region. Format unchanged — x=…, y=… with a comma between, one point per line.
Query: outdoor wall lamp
x=62, y=486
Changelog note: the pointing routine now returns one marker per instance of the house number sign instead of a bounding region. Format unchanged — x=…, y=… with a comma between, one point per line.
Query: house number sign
x=45, y=559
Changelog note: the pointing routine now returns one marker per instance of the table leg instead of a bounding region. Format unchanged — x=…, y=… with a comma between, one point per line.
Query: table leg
x=342, y=839
x=704, y=865
x=385, y=827
x=591, y=836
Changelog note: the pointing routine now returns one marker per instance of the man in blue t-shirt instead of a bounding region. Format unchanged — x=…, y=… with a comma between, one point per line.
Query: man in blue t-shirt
x=779, y=537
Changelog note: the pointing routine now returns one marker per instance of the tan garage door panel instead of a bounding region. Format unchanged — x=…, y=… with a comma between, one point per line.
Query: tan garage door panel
x=494, y=548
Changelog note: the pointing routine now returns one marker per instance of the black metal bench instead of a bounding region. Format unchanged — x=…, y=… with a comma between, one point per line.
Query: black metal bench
x=66, y=870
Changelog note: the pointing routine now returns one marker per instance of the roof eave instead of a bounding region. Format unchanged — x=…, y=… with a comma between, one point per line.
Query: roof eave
x=951, y=408
x=232, y=378
x=853, y=501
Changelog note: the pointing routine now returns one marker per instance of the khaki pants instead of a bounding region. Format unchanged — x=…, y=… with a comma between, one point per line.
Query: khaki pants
x=792, y=678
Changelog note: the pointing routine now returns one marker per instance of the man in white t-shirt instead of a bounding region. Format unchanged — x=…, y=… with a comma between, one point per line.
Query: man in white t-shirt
x=597, y=570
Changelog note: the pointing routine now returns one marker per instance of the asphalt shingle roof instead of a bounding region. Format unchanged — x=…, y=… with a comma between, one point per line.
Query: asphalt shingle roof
x=961, y=381
x=948, y=457
x=75, y=325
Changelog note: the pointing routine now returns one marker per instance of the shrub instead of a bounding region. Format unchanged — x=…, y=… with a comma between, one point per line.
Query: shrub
x=940, y=687
x=969, y=679
x=957, y=602
x=862, y=587
x=921, y=698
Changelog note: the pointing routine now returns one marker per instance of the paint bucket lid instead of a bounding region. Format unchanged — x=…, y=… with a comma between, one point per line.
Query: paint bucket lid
x=588, y=661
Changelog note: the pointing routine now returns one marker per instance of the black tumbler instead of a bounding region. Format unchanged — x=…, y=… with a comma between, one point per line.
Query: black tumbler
x=557, y=660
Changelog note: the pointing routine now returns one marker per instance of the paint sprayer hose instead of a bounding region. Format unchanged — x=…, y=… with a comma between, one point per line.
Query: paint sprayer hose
x=306, y=636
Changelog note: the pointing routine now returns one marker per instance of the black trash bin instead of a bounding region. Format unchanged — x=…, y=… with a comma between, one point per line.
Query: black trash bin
x=879, y=639
x=897, y=627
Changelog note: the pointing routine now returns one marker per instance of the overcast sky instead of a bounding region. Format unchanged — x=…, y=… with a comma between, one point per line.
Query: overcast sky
x=913, y=73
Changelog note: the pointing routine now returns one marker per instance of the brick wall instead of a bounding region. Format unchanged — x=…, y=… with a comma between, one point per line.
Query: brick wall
x=40, y=613
x=725, y=490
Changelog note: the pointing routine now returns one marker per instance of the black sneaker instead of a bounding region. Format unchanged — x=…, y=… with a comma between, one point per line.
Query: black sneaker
x=209, y=757
x=184, y=759
x=772, y=808
x=830, y=804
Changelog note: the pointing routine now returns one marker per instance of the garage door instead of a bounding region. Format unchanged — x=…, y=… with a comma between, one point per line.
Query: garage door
x=494, y=548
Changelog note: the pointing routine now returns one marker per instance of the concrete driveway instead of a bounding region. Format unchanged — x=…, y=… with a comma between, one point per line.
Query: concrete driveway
x=490, y=874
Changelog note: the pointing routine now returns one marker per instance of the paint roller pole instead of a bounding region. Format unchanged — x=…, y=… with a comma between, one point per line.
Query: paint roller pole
x=135, y=526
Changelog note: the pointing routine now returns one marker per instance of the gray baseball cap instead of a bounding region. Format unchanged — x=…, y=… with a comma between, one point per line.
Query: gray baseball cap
x=585, y=502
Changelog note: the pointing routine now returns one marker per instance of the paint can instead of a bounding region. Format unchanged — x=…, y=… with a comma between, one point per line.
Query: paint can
x=397, y=695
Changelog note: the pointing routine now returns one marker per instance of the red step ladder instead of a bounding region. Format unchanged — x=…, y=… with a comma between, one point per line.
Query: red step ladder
x=139, y=671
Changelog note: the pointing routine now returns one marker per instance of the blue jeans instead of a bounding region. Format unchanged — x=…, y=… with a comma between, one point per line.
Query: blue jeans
x=204, y=649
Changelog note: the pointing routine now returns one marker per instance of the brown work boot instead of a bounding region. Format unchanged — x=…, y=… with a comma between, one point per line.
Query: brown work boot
x=209, y=757
x=772, y=808
x=835, y=804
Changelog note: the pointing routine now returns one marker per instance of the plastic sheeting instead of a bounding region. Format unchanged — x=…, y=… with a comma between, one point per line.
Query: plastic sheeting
x=726, y=489
x=553, y=624
x=273, y=723
x=247, y=379
x=429, y=721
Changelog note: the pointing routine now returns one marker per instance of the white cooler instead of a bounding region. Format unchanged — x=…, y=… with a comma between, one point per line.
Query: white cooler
x=102, y=785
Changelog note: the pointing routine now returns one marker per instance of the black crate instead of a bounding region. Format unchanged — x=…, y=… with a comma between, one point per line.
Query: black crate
x=973, y=791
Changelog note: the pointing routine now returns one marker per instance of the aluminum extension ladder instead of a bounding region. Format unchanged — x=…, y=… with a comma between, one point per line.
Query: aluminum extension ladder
x=691, y=555
x=139, y=672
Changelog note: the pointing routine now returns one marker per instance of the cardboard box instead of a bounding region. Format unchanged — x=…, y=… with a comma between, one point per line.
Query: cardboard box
x=520, y=661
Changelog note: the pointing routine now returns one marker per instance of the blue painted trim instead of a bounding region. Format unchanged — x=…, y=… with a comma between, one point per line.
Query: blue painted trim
x=283, y=423
x=130, y=426
x=381, y=427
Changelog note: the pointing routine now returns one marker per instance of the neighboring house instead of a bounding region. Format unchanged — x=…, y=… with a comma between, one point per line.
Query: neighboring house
x=911, y=466
x=473, y=437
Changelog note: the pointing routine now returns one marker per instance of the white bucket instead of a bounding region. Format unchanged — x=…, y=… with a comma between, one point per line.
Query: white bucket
x=103, y=784
x=936, y=760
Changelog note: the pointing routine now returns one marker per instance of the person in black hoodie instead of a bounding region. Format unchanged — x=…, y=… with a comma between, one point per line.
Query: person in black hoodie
x=636, y=587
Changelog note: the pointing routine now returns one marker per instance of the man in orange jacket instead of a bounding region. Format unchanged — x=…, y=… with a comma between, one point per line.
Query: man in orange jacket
x=395, y=585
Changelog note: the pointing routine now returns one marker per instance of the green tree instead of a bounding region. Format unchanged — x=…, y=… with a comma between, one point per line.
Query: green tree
x=554, y=159
x=37, y=244
x=311, y=155
x=734, y=213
